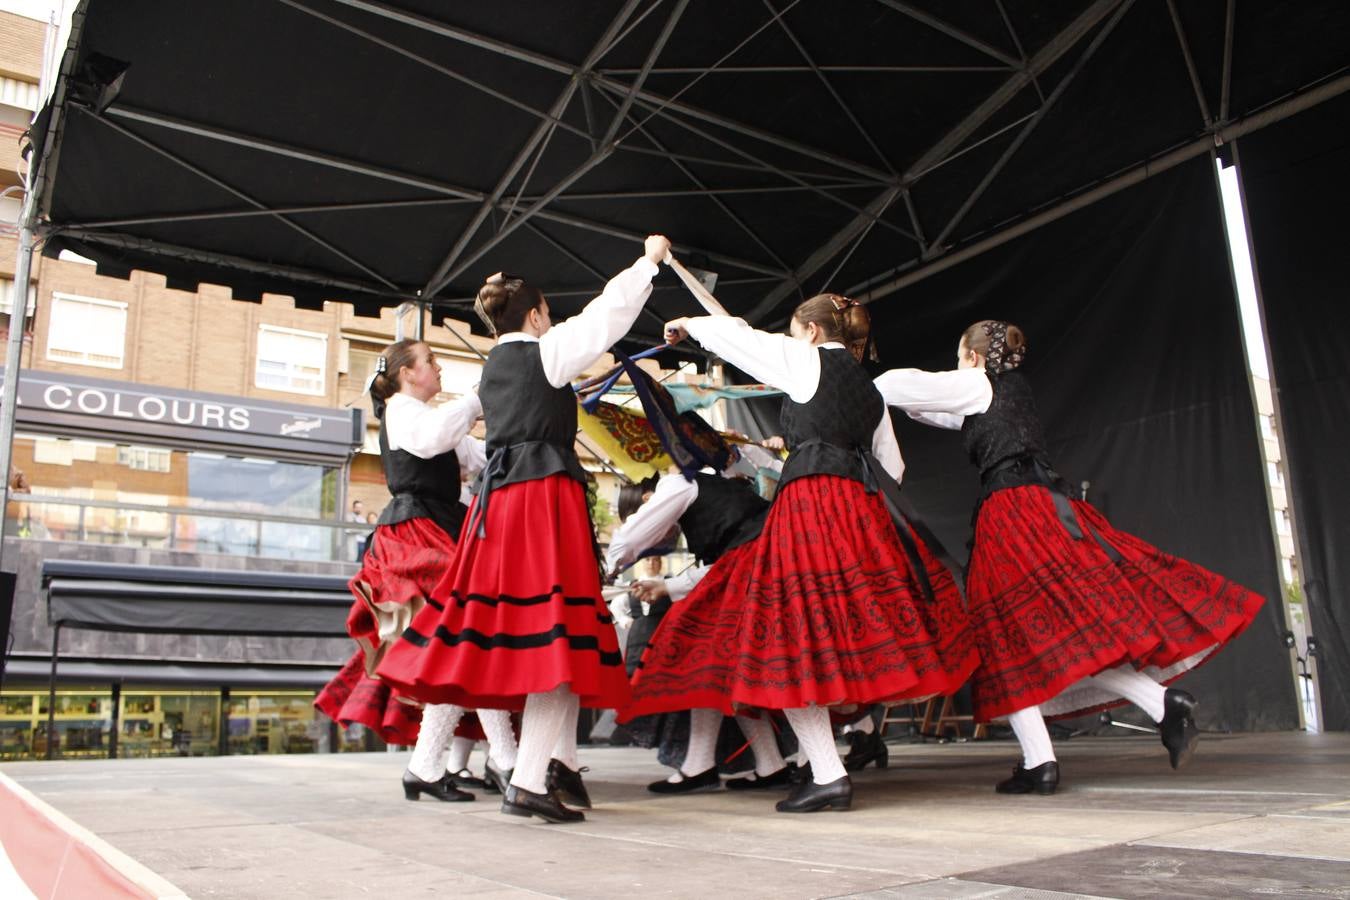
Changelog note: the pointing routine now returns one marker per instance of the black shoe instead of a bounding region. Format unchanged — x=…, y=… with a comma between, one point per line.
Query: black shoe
x=441, y=789
x=865, y=749
x=708, y=779
x=1178, y=731
x=568, y=784
x=466, y=779
x=497, y=782
x=809, y=796
x=799, y=774
x=779, y=779
x=520, y=802
x=1041, y=780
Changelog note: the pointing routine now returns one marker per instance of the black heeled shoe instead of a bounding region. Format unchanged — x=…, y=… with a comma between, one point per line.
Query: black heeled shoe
x=567, y=784
x=520, y=802
x=1177, y=729
x=810, y=797
x=497, y=781
x=781, y=778
x=708, y=779
x=866, y=749
x=442, y=789
x=1043, y=779
x=465, y=779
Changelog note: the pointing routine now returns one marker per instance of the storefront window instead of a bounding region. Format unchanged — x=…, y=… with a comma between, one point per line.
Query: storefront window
x=276, y=722
x=122, y=488
x=156, y=722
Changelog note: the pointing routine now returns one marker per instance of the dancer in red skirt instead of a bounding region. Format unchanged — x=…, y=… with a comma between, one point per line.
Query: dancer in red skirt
x=519, y=620
x=422, y=450
x=831, y=605
x=719, y=515
x=1071, y=615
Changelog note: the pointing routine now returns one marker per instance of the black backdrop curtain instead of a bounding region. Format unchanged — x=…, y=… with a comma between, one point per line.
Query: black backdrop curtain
x=1136, y=358
x=1298, y=194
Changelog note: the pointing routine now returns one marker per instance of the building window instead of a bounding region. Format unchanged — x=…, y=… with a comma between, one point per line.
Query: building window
x=86, y=331
x=459, y=375
x=290, y=360
x=7, y=297
x=144, y=459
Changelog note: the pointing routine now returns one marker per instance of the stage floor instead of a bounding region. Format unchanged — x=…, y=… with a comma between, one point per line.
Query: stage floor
x=1252, y=815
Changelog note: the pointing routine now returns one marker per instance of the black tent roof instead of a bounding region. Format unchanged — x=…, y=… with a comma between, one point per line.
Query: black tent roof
x=375, y=152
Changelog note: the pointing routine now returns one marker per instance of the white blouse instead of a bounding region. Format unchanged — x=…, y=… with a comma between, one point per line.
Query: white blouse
x=425, y=430
x=673, y=495
x=789, y=364
x=942, y=399
x=569, y=348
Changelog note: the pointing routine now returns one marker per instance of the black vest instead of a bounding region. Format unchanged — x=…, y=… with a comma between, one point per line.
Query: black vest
x=726, y=514
x=829, y=433
x=530, y=423
x=421, y=488
x=1006, y=442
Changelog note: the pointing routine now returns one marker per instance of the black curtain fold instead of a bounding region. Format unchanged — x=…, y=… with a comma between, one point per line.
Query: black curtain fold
x=1297, y=191
x=1136, y=359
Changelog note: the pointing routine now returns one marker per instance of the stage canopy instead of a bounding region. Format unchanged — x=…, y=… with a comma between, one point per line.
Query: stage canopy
x=943, y=161
x=376, y=152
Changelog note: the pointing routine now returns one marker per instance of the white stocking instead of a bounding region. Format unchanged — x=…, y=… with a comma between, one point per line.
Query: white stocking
x=704, y=724
x=501, y=738
x=812, y=726
x=542, y=723
x=438, y=727
x=565, y=750
x=1029, y=726
x=1135, y=687
x=763, y=743
x=460, y=748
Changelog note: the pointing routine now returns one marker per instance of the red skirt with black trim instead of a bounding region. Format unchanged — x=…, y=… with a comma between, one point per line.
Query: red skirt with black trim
x=821, y=608
x=519, y=613
x=403, y=564
x=354, y=697
x=1050, y=610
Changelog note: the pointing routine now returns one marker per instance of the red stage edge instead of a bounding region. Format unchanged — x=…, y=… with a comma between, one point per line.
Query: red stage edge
x=55, y=858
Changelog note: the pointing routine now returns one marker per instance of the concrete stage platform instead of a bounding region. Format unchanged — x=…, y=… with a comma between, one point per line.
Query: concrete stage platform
x=1253, y=815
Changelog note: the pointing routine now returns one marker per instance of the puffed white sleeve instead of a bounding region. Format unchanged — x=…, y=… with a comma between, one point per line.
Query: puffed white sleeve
x=942, y=399
x=427, y=431
x=472, y=455
x=886, y=448
x=783, y=362
x=673, y=495
x=680, y=584
x=569, y=347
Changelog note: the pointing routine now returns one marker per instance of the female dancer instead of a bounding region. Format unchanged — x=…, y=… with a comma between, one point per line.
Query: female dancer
x=720, y=516
x=1071, y=615
x=830, y=605
x=522, y=621
x=422, y=449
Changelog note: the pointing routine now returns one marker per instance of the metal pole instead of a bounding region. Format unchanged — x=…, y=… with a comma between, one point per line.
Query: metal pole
x=223, y=747
x=9, y=396
x=51, y=694
x=116, y=720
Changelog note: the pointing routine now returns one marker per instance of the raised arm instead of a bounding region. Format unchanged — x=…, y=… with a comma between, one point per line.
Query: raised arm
x=569, y=347
x=673, y=495
x=426, y=431
x=788, y=364
x=942, y=399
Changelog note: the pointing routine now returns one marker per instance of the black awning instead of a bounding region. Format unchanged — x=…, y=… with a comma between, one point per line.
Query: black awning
x=34, y=670
x=165, y=599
